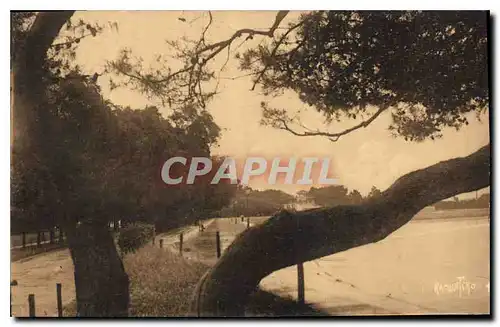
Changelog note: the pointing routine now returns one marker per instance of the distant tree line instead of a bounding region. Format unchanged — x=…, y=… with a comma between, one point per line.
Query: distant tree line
x=334, y=195
x=250, y=202
x=481, y=202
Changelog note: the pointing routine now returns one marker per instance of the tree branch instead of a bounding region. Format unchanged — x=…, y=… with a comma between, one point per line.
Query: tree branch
x=289, y=238
x=275, y=49
x=331, y=136
x=42, y=34
x=76, y=39
x=27, y=70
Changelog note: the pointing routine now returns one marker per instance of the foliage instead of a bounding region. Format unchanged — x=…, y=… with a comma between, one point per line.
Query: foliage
x=135, y=235
x=249, y=202
x=374, y=192
x=101, y=161
x=332, y=196
x=482, y=202
x=428, y=67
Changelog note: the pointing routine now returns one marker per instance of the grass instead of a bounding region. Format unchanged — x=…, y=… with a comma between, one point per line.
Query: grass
x=162, y=284
x=30, y=251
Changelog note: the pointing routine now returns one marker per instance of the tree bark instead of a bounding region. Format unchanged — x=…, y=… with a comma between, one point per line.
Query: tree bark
x=102, y=285
x=289, y=238
x=27, y=72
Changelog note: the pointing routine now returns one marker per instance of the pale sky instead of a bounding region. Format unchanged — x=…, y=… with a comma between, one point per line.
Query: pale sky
x=360, y=160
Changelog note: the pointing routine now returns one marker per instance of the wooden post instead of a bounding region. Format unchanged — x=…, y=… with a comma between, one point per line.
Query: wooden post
x=161, y=243
x=24, y=239
x=61, y=235
x=59, y=300
x=248, y=222
x=300, y=282
x=12, y=283
x=181, y=239
x=31, y=302
x=38, y=239
x=51, y=235
x=217, y=239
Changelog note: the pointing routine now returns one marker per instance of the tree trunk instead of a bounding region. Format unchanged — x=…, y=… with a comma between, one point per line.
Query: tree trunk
x=26, y=76
x=289, y=238
x=101, y=282
x=102, y=285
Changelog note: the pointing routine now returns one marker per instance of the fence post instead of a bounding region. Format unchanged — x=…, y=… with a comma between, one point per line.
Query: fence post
x=31, y=301
x=61, y=235
x=300, y=282
x=217, y=239
x=51, y=235
x=248, y=222
x=181, y=239
x=24, y=240
x=38, y=239
x=59, y=300
x=161, y=243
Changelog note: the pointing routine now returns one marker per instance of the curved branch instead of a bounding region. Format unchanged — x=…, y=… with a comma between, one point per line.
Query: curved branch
x=216, y=48
x=289, y=238
x=332, y=136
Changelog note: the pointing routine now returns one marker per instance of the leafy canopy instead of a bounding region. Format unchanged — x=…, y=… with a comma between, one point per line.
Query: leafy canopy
x=428, y=68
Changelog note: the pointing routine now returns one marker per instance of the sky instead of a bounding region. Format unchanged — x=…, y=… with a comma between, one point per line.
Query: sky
x=362, y=159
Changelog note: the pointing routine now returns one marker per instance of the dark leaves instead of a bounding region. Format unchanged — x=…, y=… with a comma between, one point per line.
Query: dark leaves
x=343, y=61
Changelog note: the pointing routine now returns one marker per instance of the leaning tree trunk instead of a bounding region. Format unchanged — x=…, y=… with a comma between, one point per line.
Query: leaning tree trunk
x=290, y=238
x=102, y=285
x=101, y=282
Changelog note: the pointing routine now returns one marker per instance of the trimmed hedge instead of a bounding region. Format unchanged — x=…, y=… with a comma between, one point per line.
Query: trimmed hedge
x=134, y=236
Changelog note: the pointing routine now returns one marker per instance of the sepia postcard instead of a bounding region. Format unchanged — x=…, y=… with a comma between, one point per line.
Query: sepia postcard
x=250, y=163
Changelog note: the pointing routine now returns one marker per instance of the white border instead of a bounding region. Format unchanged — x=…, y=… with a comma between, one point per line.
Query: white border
x=191, y=5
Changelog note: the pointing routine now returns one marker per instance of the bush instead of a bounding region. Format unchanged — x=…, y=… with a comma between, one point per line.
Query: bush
x=135, y=235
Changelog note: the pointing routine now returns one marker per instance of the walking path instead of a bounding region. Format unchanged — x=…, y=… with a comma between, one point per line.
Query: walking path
x=40, y=273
